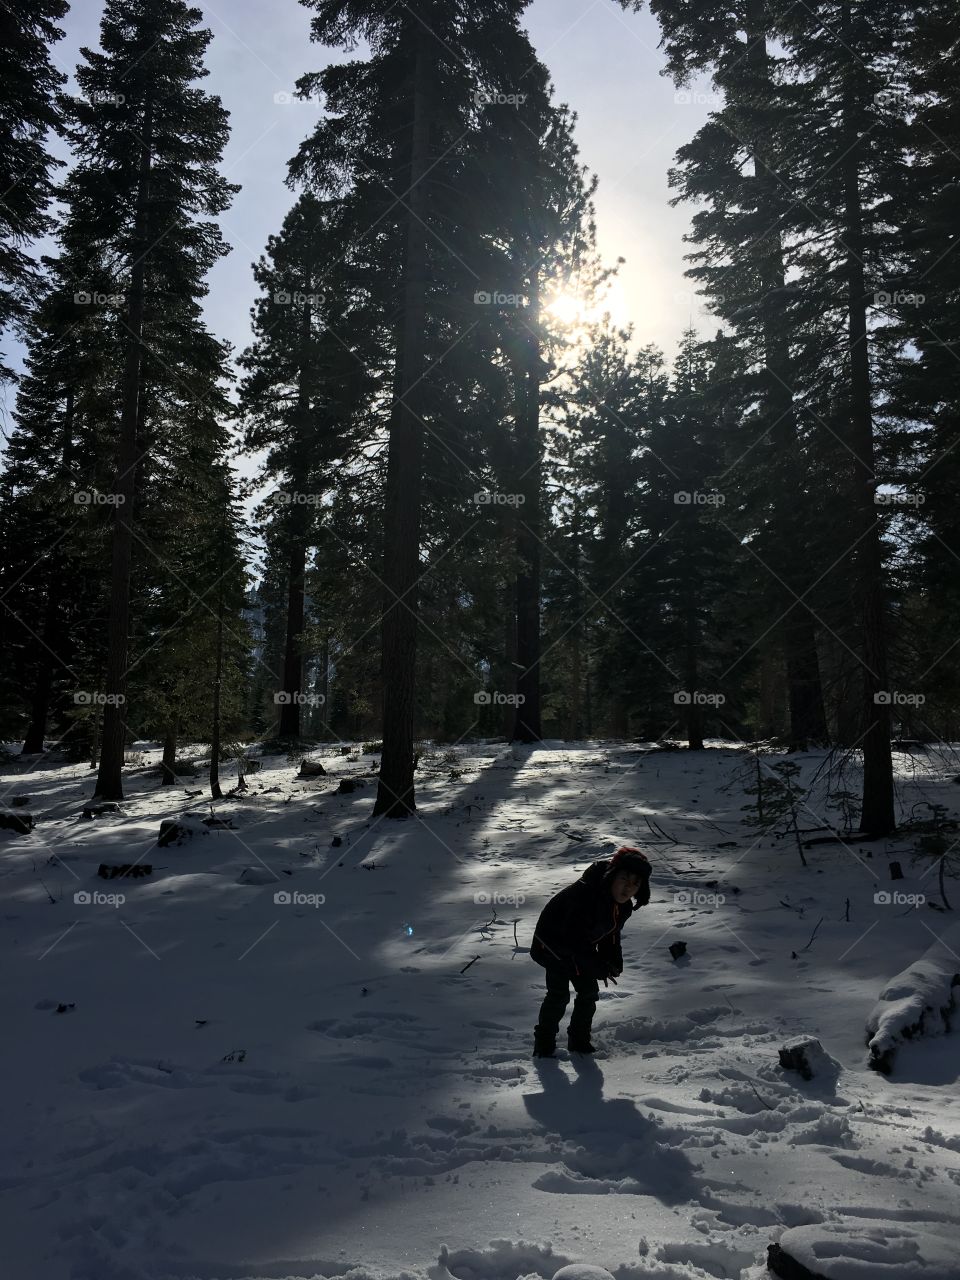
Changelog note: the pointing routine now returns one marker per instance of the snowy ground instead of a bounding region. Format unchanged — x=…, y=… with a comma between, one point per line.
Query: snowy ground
x=245, y=1087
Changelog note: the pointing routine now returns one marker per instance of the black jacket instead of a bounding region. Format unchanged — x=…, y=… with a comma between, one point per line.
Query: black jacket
x=578, y=932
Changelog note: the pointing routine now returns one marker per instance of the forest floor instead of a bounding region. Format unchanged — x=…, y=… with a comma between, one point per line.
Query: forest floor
x=242, y=1085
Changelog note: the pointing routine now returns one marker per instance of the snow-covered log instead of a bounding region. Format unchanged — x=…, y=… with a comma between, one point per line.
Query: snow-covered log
x=917, y=1002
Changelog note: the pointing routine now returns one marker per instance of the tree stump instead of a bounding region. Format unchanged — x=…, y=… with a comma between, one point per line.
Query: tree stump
x=805, y=1055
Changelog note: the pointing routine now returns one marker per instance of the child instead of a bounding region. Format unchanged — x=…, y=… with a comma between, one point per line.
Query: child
x=577, y=939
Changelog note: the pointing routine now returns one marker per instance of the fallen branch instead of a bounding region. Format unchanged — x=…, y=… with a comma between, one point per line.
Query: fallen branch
x=847, y=837
x=812, y=936
x=759, y=1099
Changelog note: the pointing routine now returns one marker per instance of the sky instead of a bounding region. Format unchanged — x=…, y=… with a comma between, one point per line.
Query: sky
x=605, y=65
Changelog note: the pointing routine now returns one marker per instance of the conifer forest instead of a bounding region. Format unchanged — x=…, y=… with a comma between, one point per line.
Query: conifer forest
x=429, y=481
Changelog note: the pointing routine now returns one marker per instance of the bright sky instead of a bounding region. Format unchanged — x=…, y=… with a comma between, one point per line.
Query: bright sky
x=605, y=64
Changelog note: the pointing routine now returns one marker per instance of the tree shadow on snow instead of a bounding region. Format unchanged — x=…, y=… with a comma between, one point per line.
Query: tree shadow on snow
x=931, y=1061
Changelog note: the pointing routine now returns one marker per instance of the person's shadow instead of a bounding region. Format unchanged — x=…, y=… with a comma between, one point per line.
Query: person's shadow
x=609, y=1145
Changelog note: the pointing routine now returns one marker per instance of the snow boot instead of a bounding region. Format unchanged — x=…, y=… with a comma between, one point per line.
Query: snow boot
x=580, y=1044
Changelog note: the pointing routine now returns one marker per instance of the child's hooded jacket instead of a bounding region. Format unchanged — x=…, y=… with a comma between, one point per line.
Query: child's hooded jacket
x=578, y=932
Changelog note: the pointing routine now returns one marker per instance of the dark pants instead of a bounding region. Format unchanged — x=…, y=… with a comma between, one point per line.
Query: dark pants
x=556, y=1001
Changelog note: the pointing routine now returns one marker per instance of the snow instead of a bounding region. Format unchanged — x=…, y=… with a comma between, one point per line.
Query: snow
x=280, y=1060
x=875, y=1251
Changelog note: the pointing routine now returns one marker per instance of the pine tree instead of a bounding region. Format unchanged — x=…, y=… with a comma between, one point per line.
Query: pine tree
x=30, y=108
x=53, y=519
x=842, y=65
x=149, y=203
x=306, y=385
x=741, y=162
x=189, y=587
x=921, y=308
x=412, y=132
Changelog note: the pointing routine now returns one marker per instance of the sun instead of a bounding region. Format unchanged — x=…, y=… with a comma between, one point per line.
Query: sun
x=568, y=309
x=573, y=311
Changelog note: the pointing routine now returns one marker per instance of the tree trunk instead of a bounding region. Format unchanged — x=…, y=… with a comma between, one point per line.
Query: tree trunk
x=395, y=792
x=323, y=684
x=588, y=703
x=109, y=781
x=509, y=615
x=215, y=790
x=878, y=813
x=168, y=762
x=797, y=628
x=293, y=653
x=691, y=672
x=808, y=717
x=575, y=714
x=770, y=682
x=95, y=731
x=527, y=723
x=95, y=738
x=49, y=652
x=290, y=717
x=52, y=633
x=575, y=718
